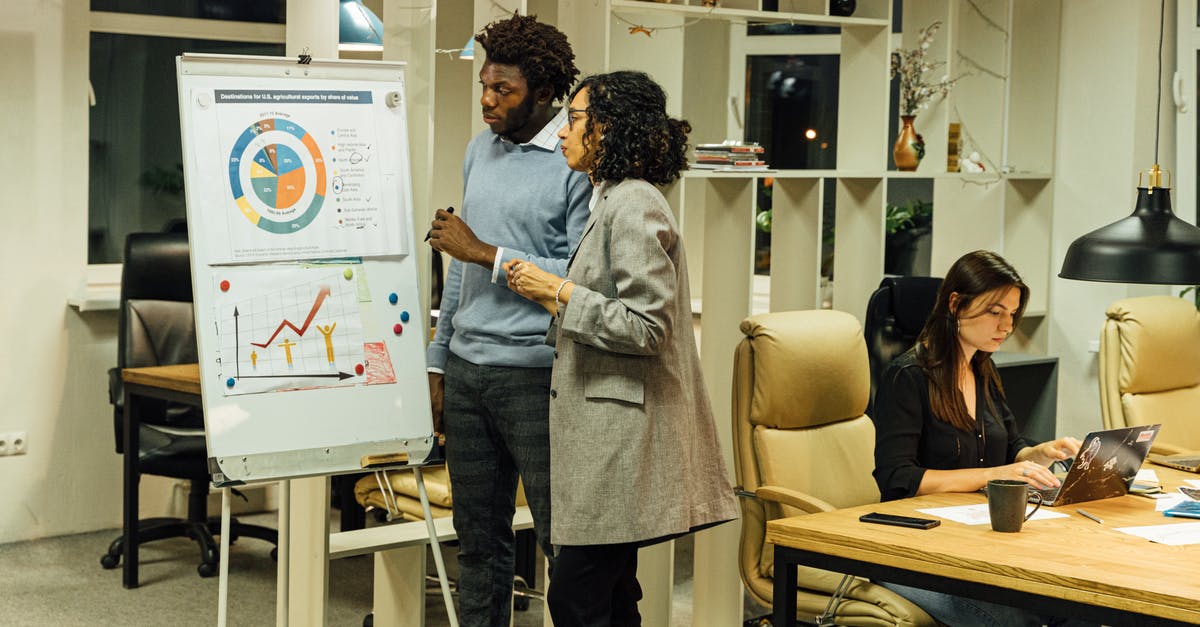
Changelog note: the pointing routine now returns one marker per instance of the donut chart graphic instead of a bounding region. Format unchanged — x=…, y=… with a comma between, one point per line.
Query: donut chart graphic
x=277, y=175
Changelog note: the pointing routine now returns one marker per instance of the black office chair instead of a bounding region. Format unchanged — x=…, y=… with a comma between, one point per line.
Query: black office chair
x=157, y=328
x=895, y=315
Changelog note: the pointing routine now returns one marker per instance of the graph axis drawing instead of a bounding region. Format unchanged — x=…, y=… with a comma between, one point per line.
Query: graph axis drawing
x=306, y=335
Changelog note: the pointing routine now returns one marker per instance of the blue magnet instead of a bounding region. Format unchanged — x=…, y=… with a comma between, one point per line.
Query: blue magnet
x=404, y=316
x=229, y=382
x=393, y=298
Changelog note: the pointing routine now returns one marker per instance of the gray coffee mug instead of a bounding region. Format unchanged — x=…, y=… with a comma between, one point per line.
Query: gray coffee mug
x=1006, y=504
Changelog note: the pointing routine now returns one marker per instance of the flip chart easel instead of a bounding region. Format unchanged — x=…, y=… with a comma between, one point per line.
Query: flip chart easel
x=306, y=290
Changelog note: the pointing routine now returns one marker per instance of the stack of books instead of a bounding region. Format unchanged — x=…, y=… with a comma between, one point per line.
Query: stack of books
x=730, y=155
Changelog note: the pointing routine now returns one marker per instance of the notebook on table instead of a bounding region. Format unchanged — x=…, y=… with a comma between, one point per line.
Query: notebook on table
x=1105, y=467
x=1183, y=461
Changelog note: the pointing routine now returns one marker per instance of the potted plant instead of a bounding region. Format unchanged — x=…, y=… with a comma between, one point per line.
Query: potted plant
x=908, y=227
x=916, y=90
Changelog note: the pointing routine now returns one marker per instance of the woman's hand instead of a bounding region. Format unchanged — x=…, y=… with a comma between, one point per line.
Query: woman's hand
x=1057, y=450
x=1030, y=472
x=530, y=281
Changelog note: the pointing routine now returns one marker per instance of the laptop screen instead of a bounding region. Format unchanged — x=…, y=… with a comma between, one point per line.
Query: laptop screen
x=1106, y=465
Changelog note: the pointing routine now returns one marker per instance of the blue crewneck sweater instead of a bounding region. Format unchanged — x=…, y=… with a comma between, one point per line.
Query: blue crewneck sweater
x=523, y=199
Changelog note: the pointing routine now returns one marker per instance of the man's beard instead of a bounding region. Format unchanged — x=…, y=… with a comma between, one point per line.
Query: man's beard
x=517, y=118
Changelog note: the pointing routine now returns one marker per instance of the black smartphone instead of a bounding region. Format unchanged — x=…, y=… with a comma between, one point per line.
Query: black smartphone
x=900, y=521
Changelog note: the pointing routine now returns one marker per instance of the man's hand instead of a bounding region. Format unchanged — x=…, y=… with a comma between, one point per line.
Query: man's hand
x=437, y=393
x=449, y=234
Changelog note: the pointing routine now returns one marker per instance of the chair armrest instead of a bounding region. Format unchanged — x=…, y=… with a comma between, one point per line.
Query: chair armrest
x=1163, y=448
x=807, y=503
x=116, y=388
x=116, y=396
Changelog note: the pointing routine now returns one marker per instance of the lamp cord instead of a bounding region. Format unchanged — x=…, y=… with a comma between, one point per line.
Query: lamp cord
x=1158, y=103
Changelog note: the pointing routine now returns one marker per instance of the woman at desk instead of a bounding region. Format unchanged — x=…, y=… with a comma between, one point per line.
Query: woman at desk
x=634, y=455
x=941, y=420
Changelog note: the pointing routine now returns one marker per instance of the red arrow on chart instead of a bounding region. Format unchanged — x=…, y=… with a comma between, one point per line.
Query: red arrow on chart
x=304, y=327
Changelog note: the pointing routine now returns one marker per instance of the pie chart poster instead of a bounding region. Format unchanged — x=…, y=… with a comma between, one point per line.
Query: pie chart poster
x=295, y=173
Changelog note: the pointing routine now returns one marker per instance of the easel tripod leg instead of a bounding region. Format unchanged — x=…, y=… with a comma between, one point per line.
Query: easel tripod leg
x=437, y=548
x=223, y=569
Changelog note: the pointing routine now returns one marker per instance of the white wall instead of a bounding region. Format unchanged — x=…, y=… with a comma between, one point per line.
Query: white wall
x=1105, y=135
x=52, y=380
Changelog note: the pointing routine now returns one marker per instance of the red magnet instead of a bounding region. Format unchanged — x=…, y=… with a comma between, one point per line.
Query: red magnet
x=397, y=328
x=358, y=369
x=224, y=286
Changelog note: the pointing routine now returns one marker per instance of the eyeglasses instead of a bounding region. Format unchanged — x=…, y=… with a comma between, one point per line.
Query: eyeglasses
x=571, y=116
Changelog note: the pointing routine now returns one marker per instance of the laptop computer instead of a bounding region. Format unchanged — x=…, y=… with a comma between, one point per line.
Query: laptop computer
x=1183, y=461
x=1105, y=467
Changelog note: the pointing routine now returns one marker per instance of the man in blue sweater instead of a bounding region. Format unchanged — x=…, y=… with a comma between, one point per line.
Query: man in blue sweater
x=489, y=368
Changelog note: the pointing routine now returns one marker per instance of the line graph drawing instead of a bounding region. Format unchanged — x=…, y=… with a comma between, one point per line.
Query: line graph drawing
x=287, y=324
x=266, y=325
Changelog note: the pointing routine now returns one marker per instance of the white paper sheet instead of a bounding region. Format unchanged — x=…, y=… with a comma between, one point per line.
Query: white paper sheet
x=978, y=514
x=1169, y=501
x=1176, y=534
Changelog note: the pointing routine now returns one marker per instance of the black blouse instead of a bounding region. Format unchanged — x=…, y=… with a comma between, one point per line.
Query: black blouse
x=909, y=439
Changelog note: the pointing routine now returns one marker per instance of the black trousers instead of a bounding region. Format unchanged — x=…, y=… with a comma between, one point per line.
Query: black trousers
x=595, y=586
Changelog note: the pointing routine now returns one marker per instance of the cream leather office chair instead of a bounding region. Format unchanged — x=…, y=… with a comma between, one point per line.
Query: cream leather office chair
x=370, y=494
x=1150, y=369
x=803, y=445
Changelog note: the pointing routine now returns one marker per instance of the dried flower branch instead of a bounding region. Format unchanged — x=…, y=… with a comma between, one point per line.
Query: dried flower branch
x=911, y=66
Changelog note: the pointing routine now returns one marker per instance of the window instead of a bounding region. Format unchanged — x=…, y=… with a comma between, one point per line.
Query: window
x=135, y=158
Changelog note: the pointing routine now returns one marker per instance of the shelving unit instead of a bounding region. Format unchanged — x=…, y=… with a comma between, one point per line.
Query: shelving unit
x=696, y=53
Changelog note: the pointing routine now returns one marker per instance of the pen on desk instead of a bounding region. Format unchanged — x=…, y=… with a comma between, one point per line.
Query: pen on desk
x=1087, y=515
x=448, y=210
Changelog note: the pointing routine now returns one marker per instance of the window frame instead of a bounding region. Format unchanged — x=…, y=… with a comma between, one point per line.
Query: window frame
x=101, y=286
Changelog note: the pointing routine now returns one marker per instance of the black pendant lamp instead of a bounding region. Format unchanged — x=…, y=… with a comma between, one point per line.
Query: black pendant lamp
x=1150, y=246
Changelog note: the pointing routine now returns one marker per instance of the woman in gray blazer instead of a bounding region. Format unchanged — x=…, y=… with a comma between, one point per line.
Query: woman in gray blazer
x=634, y=457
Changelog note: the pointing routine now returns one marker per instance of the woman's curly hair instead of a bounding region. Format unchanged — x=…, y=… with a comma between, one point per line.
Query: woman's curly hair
x=540, y=50
x=637, y=140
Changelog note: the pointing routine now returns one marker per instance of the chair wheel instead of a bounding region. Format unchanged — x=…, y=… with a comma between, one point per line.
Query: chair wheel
x=369, y=620
x=206, y=569
x=521, y=604
x=110, y=561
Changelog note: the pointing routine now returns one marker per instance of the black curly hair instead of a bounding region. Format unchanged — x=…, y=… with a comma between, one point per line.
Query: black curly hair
x=638, y=140
x=539, y=50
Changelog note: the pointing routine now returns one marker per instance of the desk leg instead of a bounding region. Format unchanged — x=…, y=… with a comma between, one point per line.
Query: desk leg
x=129, y=573
x=784, y=594
x=400, y=587
x=656, y=572
x=308, y=548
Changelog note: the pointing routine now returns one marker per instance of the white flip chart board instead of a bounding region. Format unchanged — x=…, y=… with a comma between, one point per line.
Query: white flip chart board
x=306, y=288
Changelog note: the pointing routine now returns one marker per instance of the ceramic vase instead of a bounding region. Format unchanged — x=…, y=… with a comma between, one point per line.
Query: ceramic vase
x=909, y=147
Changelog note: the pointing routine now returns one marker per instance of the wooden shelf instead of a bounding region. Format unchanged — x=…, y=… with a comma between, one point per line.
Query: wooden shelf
x=740, y=15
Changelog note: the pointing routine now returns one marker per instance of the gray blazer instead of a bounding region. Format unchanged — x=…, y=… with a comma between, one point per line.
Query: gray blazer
x=634, y=452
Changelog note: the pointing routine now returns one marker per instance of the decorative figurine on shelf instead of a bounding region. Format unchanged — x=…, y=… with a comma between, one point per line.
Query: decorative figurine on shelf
x=915, y=93
x=971, y=163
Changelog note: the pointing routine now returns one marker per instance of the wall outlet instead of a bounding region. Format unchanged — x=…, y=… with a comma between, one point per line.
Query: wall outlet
x=20, y=442
x=13, y=443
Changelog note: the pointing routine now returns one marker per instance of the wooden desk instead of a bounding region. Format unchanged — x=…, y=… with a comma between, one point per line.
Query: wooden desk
x=1063, y=566
x=179, y=384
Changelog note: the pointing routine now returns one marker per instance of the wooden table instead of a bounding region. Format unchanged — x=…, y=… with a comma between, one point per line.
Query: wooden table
x=1064, y=566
